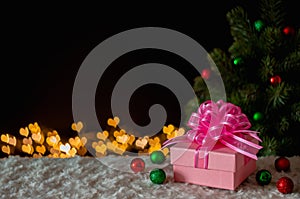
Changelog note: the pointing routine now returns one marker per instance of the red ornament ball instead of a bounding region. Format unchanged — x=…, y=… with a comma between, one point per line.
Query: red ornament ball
x=285, y=185
x=137, y=165
x=282, y=164
x=275, y=80
x=205, y=74
x=288, y=30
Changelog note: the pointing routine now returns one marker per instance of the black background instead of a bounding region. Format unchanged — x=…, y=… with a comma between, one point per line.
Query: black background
x=44, y=46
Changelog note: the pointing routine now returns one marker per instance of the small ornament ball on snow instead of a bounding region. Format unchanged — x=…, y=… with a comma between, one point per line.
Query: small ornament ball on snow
x=157, y=176
x=282, y=164
x=263, y=177
x=157, y=157
x=137, y=165
x=285, y=185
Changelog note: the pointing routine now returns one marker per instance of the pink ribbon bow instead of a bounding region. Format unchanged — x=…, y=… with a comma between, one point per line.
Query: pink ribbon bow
x=218, y=122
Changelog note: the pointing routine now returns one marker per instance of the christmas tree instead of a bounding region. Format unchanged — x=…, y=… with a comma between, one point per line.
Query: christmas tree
x=260, y=71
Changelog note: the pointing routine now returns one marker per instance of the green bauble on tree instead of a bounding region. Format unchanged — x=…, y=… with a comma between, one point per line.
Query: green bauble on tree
x=237, y=61
x=257, y=116
x=259, y=24
x=259, y=70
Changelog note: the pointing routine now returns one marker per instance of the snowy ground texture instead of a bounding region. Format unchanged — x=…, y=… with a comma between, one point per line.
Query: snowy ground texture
x=111, y=177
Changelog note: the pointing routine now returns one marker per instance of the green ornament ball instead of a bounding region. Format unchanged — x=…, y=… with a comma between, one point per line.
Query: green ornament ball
x=237, y=61
x=257, y=116
x=157, y=157
x=157, y=176
x=258, y=24
x=263, y=177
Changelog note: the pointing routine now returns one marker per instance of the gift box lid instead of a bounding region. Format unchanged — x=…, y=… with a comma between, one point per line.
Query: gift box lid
x=220, y=158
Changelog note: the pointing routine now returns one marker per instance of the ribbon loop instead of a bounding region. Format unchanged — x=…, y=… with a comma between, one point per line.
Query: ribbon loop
x=219, y=122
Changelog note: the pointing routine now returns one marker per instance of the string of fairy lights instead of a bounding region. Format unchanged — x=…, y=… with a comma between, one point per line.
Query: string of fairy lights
x=34, y=141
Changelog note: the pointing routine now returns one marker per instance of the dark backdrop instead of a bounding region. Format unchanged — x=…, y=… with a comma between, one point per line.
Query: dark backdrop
x=43, y=47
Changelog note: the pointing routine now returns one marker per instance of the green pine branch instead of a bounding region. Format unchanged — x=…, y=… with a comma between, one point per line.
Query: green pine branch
x=291, y=62
x=240, y=25
x=283, y=125
x=295, y=112
x=242, y=32
x=270, y=40
x=277, y=96
x=270, y=146
x=223, y=63
x=267, y=67
x=272, y=12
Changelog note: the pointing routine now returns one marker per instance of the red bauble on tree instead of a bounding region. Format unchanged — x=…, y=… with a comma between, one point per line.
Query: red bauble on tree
x=288, y=31
x=282, y=164
x=285, y=185
x=275, y=80
x=205, y=74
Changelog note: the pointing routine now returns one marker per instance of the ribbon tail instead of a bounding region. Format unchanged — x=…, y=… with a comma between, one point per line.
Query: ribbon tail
x=253, y=156
x=175, y=140
x=244, y=141
x=250, y=133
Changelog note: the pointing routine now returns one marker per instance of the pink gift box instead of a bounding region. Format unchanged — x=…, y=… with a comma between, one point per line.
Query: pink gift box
x=213, y=178
x=226, y=168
